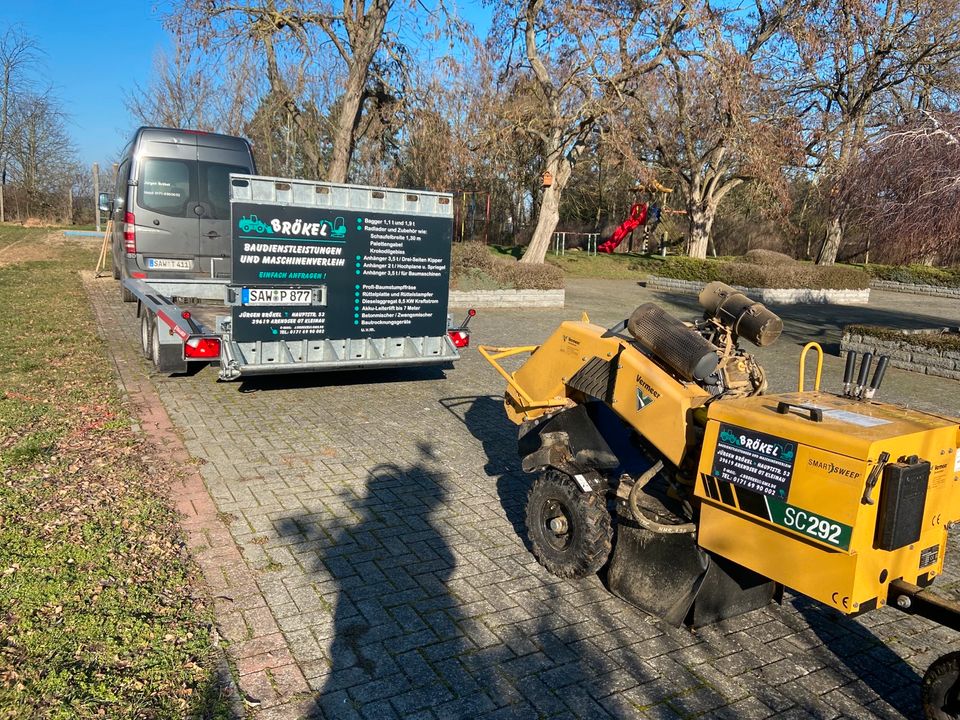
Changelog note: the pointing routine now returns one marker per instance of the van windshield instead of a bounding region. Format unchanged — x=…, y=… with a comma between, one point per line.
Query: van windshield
x=175, y=187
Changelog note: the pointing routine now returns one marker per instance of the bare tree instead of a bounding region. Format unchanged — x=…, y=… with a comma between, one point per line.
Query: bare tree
x=294, y=38
x=181, y=93
x=18, y=53
x=567, y=67
x=903, y=190
x=42, y=155
x=857, y=61
x=713, y=115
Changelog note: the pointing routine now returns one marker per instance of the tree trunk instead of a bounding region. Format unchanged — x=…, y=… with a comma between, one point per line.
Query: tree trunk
x=344, y=134
x=831, y=242
x=700, y=224
x=547, y=219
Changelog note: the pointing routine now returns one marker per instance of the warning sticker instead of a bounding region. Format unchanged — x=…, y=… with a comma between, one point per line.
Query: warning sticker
x=754, y=460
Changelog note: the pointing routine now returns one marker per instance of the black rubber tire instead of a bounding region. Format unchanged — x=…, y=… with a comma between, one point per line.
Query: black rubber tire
x=116, y=268
x=940, y=690
x=155, y=345
x=585, y=547
x=146, y=333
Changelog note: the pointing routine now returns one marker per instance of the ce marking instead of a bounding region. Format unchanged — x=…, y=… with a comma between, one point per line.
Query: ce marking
x=935, y=520
x=837, y=601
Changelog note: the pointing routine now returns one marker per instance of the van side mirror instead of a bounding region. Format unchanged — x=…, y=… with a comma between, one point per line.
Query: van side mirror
x=105, y=203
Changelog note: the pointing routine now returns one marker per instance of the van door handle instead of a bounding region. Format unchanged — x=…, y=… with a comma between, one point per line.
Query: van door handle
x=213, y=234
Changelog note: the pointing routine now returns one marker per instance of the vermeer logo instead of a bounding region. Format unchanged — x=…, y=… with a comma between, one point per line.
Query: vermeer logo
x=646, y=393
x=648, y=388
x=832, y=468
x=570, y=341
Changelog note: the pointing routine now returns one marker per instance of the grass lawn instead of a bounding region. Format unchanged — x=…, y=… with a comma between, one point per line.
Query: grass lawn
x=98, y=616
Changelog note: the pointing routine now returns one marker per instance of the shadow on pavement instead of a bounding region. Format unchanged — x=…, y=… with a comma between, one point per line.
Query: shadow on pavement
x=484, y=417
x=425, y=620
x=265, y=383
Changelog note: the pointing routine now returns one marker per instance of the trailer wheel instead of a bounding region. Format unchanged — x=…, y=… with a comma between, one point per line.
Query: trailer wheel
x=569, y=529
x=155, y=345
x=940, y=690
x=146, y=333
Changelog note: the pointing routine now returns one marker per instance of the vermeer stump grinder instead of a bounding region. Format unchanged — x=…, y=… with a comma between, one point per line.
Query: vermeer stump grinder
x=661, y=460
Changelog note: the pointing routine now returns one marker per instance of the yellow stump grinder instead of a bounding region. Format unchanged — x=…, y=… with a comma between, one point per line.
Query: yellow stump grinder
x=659, y=457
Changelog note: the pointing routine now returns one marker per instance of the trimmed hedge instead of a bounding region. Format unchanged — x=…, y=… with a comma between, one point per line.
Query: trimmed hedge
x=473, y=267
x=916, y=274
x=933, y=338
x=765, y=269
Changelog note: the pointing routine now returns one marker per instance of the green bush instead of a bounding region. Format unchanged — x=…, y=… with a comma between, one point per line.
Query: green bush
x=765, y=269
x=916, y=274
x=933, y=338
x=474, y=267
x=684, y=268
x=767, y=257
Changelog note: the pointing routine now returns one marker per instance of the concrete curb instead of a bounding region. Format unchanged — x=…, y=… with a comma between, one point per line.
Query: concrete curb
x=905, y=354
x=506, y=298
x=778, y=296
x=914, y=289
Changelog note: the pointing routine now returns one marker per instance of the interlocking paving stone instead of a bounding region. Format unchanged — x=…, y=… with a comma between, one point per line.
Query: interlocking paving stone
x=380, y=517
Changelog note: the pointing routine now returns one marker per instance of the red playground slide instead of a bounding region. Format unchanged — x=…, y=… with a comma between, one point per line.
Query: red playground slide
x=638, y=216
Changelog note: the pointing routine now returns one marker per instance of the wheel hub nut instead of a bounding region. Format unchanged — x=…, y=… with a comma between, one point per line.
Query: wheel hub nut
x=558, y=525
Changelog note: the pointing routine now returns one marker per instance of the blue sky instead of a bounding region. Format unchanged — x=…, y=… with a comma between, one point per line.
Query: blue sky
x=94, y=51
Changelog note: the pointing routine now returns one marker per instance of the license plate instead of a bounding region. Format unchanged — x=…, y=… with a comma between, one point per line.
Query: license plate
x=166, y=264
x=276, y=296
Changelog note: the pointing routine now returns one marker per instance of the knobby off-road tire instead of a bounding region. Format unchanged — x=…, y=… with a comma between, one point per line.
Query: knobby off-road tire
x=583, y=544
x=940, y=690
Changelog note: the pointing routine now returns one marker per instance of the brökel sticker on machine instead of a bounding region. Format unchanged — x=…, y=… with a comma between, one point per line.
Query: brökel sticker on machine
x=754, y=460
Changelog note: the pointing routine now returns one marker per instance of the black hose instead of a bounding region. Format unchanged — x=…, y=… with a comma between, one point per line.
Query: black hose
x=643, y=520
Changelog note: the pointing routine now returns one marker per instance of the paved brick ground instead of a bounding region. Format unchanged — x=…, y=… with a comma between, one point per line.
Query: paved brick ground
x=380, y=517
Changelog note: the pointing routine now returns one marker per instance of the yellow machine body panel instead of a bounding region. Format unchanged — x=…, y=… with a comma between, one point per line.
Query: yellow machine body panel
x=641, y=392
x=786, y=495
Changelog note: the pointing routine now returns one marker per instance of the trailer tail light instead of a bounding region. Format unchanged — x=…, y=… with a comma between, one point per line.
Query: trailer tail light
x=129, y=233
x=202, y=348
x=460, y=338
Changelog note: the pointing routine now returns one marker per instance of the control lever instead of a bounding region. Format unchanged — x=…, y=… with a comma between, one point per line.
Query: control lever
x=873, y=477
x=877, y=377
x=848, y=371
x=864, y=374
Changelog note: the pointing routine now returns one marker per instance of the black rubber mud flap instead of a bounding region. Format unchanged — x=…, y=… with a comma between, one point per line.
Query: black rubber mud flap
x=659, y=573
x=575, y=431
x=728, y=590
x=670, y=576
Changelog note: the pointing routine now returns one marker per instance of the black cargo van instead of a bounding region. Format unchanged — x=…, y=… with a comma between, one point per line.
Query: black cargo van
x=171, y=210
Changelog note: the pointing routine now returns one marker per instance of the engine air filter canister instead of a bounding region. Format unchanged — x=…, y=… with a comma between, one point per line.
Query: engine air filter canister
x=683, y=350
x=745, y=317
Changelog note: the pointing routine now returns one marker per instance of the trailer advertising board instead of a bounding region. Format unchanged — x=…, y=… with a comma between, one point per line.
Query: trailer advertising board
x=304, y=273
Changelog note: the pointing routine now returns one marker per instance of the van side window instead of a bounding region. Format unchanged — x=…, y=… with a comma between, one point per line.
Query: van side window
x=120, y=191
x=164, y=186
x=215, y=188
